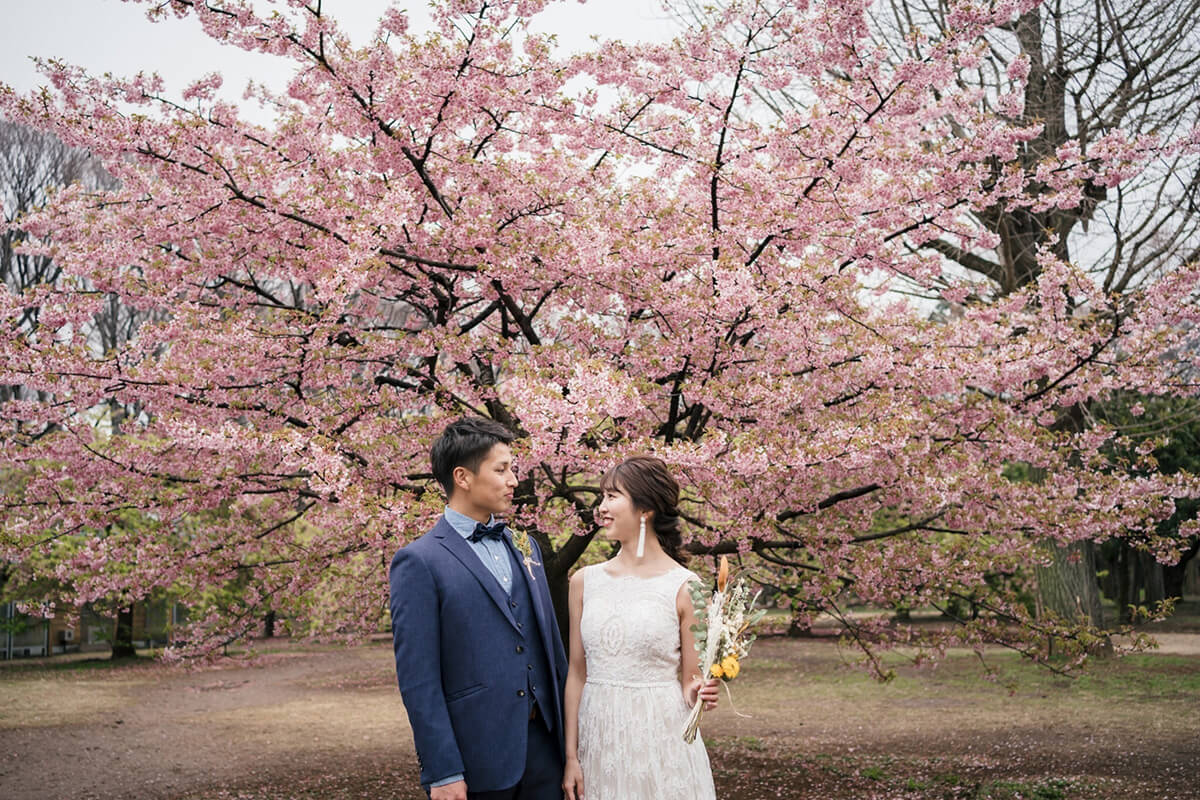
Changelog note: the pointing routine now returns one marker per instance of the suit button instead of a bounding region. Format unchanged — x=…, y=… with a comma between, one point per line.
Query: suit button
x=520, y=626
x=512, y=603
x=529, y=666
x=520, y=648
x=520, y=692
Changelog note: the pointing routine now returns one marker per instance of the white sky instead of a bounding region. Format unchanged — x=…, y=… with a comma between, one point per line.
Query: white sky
x=113, y=36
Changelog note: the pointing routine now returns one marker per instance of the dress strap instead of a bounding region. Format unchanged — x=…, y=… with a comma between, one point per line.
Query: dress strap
x=591, y=574
x=679, y=577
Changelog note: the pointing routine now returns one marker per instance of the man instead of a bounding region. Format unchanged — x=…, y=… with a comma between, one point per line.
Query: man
x=479, y=659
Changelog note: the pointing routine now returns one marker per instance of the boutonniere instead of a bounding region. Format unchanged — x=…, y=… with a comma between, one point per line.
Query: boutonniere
x=521, y=541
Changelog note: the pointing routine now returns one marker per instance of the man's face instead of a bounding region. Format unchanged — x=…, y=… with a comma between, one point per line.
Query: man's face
x=490, y=488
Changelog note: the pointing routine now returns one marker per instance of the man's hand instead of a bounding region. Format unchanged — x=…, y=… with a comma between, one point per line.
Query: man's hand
x=451, y=791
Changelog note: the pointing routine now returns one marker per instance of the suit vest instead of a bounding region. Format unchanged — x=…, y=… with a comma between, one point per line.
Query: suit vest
x=520, y=602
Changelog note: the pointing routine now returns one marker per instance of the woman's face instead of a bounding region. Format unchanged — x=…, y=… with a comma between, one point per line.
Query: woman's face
x=617, y=515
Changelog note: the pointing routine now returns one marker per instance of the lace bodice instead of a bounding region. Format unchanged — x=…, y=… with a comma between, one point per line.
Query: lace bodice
x=630, y=627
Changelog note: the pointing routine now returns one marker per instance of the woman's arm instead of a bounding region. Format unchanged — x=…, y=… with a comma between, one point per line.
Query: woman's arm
x=689, y=659
x=576, y=677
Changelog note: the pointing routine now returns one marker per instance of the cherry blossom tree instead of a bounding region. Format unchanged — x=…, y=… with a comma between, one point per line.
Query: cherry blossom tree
x=608, y=251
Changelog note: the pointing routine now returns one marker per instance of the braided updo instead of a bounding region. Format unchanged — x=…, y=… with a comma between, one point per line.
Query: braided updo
x=651, y=488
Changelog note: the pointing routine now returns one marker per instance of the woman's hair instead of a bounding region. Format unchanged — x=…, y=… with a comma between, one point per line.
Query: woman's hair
x=651, y=488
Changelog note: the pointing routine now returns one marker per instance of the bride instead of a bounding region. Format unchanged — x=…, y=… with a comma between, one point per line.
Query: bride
x=633, y=674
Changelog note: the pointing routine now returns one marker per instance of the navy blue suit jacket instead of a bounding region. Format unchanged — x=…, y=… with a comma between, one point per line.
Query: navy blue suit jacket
x=461, y=663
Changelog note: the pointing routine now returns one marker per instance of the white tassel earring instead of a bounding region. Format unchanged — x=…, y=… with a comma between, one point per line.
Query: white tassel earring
x=641, y=548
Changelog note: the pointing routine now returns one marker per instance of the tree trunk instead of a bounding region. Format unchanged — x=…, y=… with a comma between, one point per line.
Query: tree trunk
x=560, y=588
x=1153, y=588
x=269, y=625
x=1175, y=575
x=558, y=564
x=122, y=646
x=1067, y=586
x=1123, y=569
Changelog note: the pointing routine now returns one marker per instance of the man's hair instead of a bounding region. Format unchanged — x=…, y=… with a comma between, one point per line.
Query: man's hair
x=465, y=443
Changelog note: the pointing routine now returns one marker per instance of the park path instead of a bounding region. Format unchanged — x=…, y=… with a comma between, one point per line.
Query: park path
x=1178, y=644
x=149, y=731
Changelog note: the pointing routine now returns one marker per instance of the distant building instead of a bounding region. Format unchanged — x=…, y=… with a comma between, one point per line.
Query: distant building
x=29, y=636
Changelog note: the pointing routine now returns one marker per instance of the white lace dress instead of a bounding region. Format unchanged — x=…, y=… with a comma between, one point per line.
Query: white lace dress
x=632, y=712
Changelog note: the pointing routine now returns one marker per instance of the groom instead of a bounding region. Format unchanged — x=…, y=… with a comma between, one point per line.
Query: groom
x=479, y=659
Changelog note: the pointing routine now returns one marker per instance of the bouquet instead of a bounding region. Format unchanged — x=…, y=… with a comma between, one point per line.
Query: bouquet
x=722, y=637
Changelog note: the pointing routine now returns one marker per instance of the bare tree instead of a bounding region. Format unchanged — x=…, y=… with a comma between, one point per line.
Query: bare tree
x=1094, y=68
x=33, y=165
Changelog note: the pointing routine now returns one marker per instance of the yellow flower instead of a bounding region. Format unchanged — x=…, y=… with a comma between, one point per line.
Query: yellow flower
x=730, y=667
x=716, y=671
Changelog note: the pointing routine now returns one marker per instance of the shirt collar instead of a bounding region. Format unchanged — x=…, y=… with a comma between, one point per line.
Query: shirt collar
x=461, y=523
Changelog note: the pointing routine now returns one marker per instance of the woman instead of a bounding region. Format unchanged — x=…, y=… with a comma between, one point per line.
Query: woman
x=633, y=674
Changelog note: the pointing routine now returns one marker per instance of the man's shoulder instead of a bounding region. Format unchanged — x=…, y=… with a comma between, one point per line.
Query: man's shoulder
x=426, y=543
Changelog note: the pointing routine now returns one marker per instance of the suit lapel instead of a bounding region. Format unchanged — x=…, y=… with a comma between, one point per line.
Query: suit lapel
x=459, y=547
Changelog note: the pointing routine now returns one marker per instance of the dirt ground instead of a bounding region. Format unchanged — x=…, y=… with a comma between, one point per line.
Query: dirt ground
x=304, y=721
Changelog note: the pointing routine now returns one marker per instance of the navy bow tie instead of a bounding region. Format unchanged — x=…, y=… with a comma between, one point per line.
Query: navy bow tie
x=482, y=532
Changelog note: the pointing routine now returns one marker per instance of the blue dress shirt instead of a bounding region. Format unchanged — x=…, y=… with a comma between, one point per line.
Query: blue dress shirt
x=492, y=552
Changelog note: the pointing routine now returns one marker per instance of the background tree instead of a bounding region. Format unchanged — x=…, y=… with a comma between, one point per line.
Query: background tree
x=1088, y=70
x=1092, y=69
x=33, y=165
x=598, y=251
x=1169, y=428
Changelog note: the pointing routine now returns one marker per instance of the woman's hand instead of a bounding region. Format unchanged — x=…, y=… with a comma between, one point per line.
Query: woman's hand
x=572, y=784
x=709, y=691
